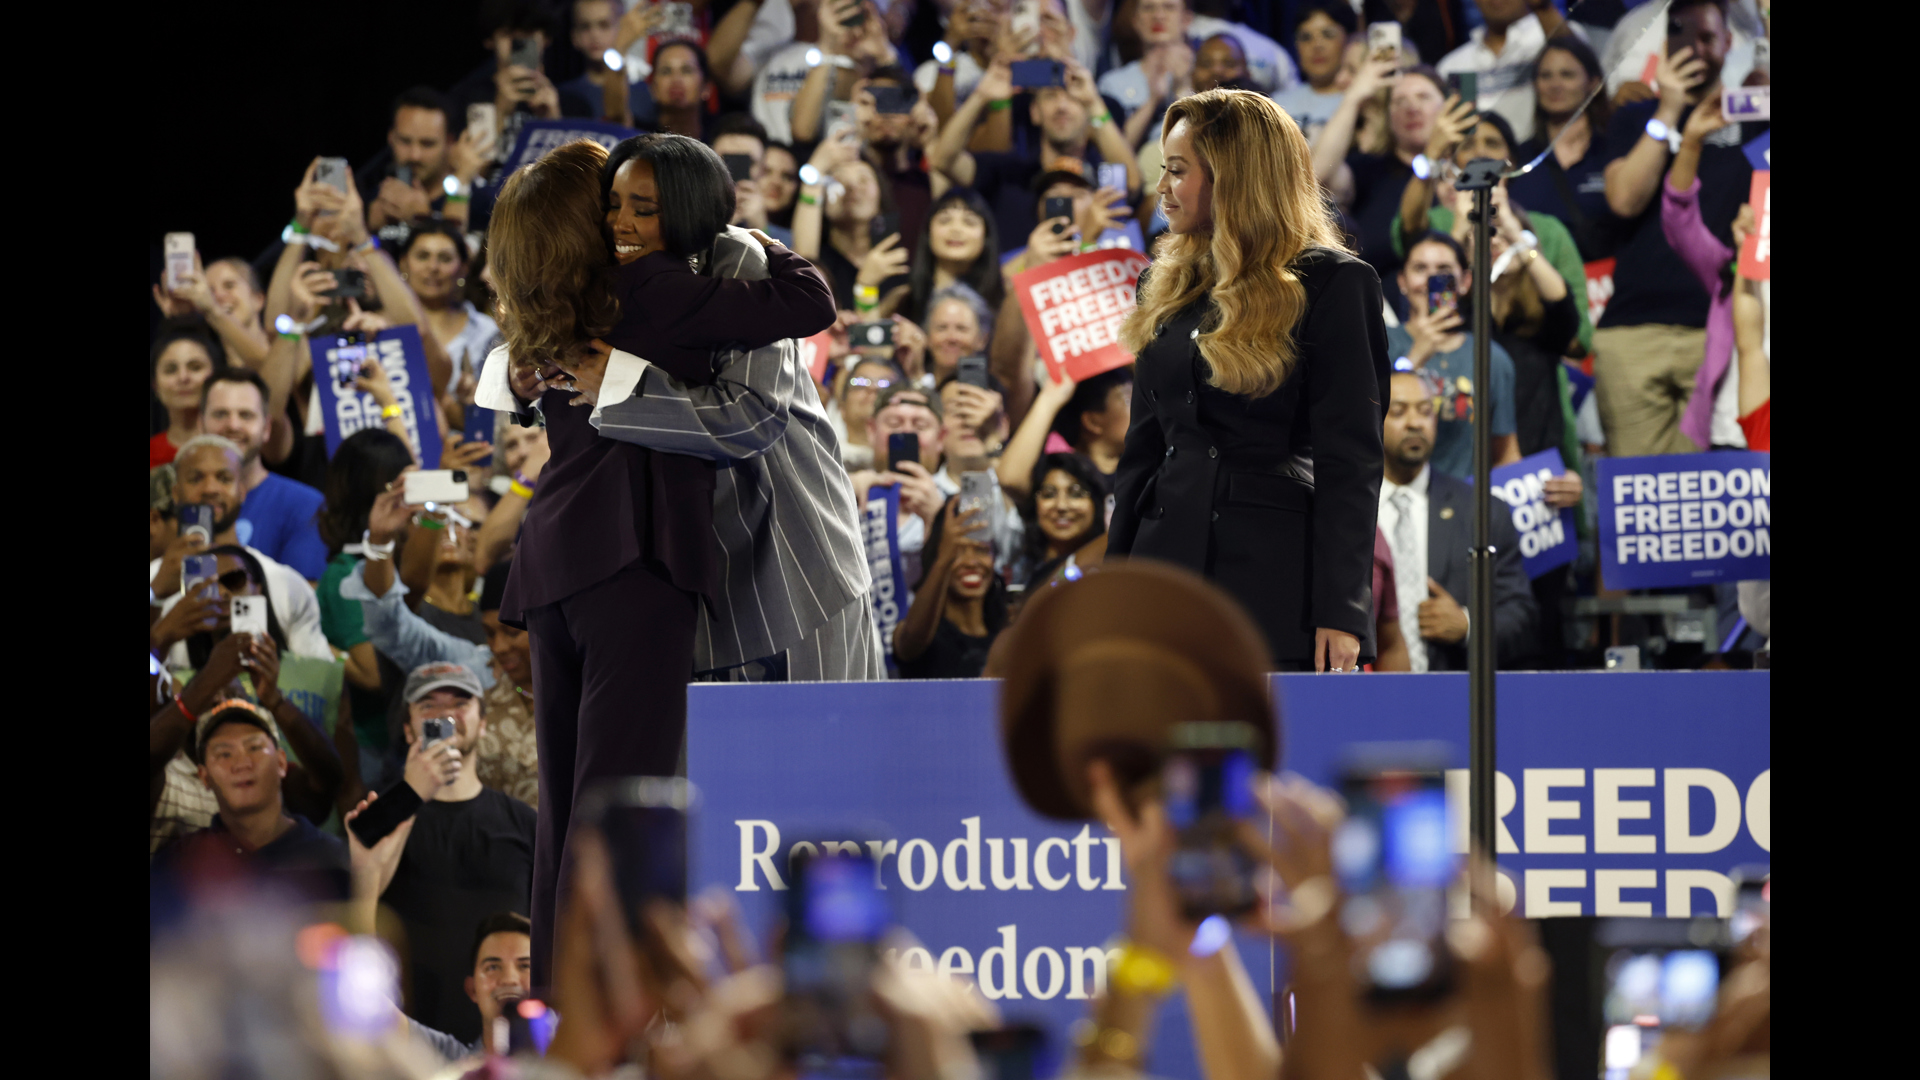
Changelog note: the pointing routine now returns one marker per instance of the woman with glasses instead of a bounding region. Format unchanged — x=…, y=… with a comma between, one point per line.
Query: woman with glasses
x=860, y=384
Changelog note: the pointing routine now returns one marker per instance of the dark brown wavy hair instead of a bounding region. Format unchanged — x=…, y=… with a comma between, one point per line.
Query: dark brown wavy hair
x=548, y=249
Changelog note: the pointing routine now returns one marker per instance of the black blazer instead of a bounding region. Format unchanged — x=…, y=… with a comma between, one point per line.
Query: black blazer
x=1449, y=537
x=1275, y=498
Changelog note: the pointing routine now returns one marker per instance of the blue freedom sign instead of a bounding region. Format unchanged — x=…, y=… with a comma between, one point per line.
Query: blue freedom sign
x=1685, y=519
x=1547, y=536
x=538, y=138
x=1617, y=794
x=345, y=410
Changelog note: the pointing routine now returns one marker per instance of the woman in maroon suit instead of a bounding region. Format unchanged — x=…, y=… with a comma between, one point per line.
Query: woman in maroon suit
x=617, y=549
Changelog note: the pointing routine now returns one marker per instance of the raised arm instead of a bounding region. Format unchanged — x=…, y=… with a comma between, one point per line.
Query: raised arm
x=731, y=66
x=1634, y=177
x=1330, y=149
x=949, y=155
x=1023, y=451
x=1347, y=376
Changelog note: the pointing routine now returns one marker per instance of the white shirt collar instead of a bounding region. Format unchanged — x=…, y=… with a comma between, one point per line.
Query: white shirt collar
x=1417, y=487
x=1525, y=33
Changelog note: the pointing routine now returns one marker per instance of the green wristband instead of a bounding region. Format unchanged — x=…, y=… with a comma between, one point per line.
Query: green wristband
x=998, y=106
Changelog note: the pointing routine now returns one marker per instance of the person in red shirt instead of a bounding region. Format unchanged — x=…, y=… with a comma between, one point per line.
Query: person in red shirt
x=183, y=356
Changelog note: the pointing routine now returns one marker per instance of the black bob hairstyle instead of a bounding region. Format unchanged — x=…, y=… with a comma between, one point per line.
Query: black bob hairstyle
x=696, y=190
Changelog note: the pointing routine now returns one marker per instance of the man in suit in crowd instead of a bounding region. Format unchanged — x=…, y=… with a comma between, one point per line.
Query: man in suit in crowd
x=1427, y=517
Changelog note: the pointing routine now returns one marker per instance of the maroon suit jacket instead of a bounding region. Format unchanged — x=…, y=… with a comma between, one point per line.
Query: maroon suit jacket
x=605, y=503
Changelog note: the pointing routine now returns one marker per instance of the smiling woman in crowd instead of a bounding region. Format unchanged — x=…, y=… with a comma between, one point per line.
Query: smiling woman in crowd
x=959, y=246
x=959, y=603
x=1068, y=533
x=183, y=357
x=433, y=260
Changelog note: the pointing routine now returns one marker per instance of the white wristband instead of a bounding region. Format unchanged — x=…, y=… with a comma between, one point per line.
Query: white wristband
x=375, y=552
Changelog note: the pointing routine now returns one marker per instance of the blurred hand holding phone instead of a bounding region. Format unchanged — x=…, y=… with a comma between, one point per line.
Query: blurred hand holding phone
x=1442, y=294
x=902, y=446
x=1383, y=40
x=977, y=492
x=835, y=918
x=1206, y=786
x=1394, y=858
x=196, y=519
x=1038, y=74
x=178, y=247
x=437, y=486
x=200, y=572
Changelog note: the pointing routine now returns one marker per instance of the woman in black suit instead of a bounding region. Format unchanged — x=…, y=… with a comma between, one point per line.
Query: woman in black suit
x=1254, y=455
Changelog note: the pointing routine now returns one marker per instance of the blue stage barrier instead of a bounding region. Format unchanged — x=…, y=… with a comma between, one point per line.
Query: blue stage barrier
x=1619, y=794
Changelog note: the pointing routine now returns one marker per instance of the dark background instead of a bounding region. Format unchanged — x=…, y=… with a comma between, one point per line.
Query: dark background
x=276, y=85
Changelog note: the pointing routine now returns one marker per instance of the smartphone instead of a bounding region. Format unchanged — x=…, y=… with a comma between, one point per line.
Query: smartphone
x=436, y=486
x=404, y=174
x=1654, y=980
x=902, y=446
x=679, y=18
x=525, y=52
x=896, y=100
x=739, y=166
x=1025, y=23
x=871, y=335
x=359, y=979
x=1035, y=74
x=196, y=519
x=478, y=427
x=1752, y=899
x=332, y=171
x=434, y=729
x=840, y=119
x=525, y=1025
x=836, y=915
x=1206, y=784
x=1747, y=102
x=1680, y=35
x=348, y=284
x=381, y=816
x=977, y=493
x=484, y=118
x=1395, y=861
x=855, y=18
x=1442, y=294
x=348, y=357
x=1467, y=85
x=179, y=257
x=249, y=616
x=1017, y=1052
x=882, y=226
x=643, y=820
x=973, y=370
x=1112, y=176
x=1383, y=40
x=199, y=572
x=1058, y=206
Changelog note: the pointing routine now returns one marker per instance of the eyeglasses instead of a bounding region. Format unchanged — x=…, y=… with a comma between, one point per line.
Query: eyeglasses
x=234, y=580
x=862, y=380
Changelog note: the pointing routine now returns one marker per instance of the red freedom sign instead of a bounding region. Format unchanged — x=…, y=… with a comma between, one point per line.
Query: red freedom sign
x=1074, y=307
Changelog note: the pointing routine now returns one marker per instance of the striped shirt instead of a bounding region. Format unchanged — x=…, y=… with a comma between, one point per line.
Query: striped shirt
x=783, y=514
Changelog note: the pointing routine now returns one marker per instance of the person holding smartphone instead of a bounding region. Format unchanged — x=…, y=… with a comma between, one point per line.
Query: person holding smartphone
x=959, y=603
x=1219, y=474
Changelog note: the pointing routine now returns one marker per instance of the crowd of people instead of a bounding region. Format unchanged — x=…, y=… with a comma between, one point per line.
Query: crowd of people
x=910, y=157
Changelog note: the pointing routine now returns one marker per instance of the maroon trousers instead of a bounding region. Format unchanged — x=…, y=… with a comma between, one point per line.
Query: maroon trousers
x=610, y=670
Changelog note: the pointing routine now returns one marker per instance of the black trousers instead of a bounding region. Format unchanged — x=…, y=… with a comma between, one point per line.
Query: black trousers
x=610, y=669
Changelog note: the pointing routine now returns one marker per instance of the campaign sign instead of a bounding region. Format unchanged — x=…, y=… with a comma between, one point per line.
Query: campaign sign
x=1616, y=794
x=1756, y=251
x=1599, y=287
x=880, y=529
x=1074, y=307
x=1547, y=538
x=345, y=410
x=1685, y=519
x=538, y=138
x=816, y=352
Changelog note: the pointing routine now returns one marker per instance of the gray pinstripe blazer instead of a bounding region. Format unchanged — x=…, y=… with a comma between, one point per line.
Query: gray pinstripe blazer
x=783, y=512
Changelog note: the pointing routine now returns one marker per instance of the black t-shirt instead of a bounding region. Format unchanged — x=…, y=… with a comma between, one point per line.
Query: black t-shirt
x=1378, y=182
x=1650, y=283
x=463, y=862
x=1548, y=187
x=951, y=655
x=303, y=860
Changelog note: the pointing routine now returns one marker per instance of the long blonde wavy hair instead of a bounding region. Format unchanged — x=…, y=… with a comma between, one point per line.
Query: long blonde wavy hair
x=547, y=245
x=1267, y=211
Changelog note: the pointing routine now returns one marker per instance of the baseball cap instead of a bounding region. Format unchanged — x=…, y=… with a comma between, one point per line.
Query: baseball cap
x=1062, y=170
x=231, y=711
x=437, y=676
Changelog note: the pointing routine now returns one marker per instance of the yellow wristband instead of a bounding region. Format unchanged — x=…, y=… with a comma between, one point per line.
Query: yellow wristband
x=1141, y=970
x=869, y=293
x=520, y=489
x=391, y=411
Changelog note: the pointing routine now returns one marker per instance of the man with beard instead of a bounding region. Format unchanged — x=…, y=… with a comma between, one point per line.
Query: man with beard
x=1427, y=518
x=277, y=514
x=208, y=472
x=468, y=855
